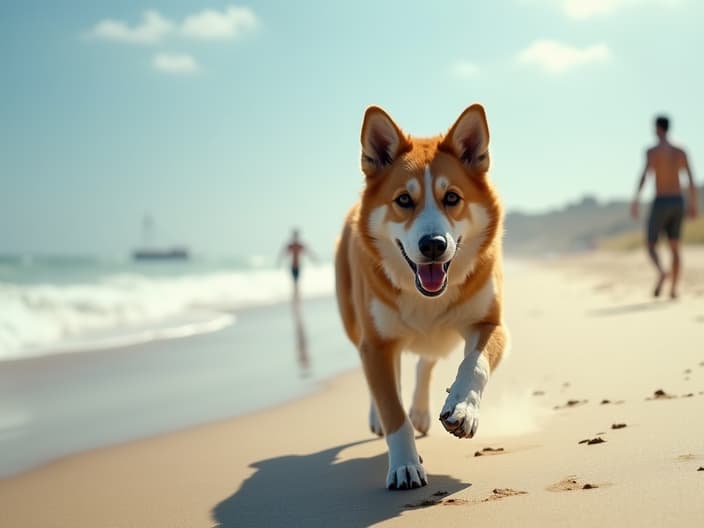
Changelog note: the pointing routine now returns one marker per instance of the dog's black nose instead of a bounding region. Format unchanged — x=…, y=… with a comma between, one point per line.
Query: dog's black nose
x=432, y=246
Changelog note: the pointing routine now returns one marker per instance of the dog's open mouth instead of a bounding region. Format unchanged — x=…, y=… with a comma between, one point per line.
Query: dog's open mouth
x=431, y=277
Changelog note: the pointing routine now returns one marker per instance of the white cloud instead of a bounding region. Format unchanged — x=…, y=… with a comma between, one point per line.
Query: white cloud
x=151, y=29
x=463, y=69
x=556, y=58
x=175, y=63
x=583, y=9
x=210, y=24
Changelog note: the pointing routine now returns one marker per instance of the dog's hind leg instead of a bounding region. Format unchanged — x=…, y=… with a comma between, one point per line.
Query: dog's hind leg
x=420, y=408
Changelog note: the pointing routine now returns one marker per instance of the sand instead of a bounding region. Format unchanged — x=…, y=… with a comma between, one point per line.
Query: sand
x=590, y=350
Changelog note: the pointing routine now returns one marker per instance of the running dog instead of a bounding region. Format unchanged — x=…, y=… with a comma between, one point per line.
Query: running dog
x=418, y=268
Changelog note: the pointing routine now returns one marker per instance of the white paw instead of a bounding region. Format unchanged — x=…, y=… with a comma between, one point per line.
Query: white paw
x=374, y=422
x=406, y=476
x=460, y=418
x=420, y=419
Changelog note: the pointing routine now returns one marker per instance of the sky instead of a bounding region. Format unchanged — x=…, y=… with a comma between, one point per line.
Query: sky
x=230, y=123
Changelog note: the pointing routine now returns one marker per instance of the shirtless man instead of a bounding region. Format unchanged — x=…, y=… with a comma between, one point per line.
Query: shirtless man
x=295, y=249
x=665, y=161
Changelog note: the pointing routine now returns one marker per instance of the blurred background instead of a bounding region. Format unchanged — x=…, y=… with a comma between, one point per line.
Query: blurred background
x=155, y=156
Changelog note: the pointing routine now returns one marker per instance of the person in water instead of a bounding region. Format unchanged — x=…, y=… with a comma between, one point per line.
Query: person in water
x=665, y=162
x=294, y=250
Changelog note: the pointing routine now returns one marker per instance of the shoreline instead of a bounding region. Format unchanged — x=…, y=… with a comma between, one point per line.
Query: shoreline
x=319, y=387
x=110, y=393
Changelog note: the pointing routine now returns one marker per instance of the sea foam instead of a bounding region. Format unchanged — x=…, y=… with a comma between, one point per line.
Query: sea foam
x=125, y=308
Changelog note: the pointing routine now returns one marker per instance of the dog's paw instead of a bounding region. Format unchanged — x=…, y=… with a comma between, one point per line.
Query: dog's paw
x=460, y=419
x=406, y=476
x=375, y=422
x=420, y=420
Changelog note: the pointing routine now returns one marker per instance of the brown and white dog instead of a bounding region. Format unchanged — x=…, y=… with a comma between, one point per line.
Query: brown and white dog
x=418, y=267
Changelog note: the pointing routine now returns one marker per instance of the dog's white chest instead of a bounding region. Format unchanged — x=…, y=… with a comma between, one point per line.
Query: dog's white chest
x=431, y=326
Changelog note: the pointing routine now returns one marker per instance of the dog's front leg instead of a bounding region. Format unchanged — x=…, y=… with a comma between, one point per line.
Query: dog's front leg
x=405, y=468
x=484, y=345
x=374, y=420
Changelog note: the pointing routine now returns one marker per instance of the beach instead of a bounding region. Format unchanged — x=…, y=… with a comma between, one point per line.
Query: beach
x=594, y=419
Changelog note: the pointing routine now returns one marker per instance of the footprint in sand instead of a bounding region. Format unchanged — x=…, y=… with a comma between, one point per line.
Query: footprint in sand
x=570, y=404
x=490, y=451
x=592, y=441
x=661, y=395
x=422, y=504
x=454, y=502
x=572, y=483
x=502, y=493
x=436, y=498
x=688, y=457
x=606, y=401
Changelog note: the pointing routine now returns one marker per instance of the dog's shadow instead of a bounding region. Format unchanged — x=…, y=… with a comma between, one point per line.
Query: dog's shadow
x=315, y=490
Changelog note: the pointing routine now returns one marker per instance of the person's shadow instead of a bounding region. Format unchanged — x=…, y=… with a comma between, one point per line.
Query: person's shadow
x=302, y=356
x=628, y=308
x=315, y=491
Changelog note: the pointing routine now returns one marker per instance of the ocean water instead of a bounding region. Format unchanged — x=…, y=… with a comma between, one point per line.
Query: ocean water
x=50, y=305
x=214, y=339
x=68, y=403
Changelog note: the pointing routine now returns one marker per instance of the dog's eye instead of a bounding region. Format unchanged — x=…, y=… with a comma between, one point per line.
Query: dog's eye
x=404, y=200
x=451, y=198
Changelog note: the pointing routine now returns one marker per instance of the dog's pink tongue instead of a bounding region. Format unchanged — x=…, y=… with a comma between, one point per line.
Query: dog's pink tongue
x=432, y=276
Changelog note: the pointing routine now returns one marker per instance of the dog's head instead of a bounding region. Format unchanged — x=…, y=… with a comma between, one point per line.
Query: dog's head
x=427, y=207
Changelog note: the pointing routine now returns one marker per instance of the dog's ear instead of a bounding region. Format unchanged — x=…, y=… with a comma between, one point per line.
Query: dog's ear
x=468, y=138
x=382, y=141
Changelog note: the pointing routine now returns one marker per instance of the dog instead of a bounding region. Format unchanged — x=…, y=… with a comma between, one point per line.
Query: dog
x=418, y=267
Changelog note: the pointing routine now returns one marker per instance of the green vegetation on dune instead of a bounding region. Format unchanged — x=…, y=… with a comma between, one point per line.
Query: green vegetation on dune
x=624, y=242
x=586, y=224
x=692, y=233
